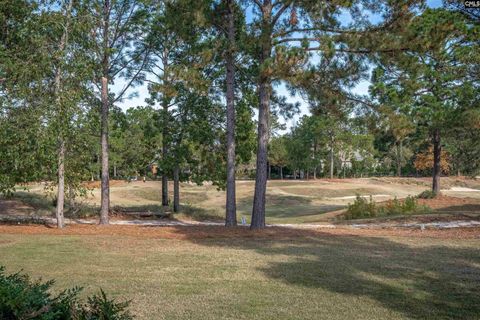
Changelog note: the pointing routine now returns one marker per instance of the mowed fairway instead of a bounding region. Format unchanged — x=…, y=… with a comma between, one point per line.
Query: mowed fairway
x=210, y=273
x=288, y=201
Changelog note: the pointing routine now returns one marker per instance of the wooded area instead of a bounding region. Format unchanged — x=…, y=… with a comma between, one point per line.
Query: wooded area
x=213, y=69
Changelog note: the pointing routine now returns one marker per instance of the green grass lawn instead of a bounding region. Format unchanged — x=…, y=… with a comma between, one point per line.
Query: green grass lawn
x=323, y=276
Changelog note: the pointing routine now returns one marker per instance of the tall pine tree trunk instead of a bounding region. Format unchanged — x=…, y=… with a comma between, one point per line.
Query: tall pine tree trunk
x=165, y=103
x=231, y=207
x=399, y=159
x=105, y=185
x=258, y=211
x=61, y=138
x=176, y=189
x=264, y=90
x=437, y=150
x=61, y=184
x=331, y=160
x=164, y=155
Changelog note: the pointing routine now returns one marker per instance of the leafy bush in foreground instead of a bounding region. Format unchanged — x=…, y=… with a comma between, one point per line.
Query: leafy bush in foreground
x=361, y=208
x=21, y=298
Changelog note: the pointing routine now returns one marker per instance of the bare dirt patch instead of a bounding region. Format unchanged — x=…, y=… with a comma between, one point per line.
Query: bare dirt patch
x=15, y=207
x=446, y=182
x=218, y=232
x=452, y=204
x=96, y=184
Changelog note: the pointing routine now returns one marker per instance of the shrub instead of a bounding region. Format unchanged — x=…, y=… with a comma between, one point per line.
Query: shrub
x=410, y=205
x=392, y=207
x=361, y=208
x=21, y=298
x=427, y=194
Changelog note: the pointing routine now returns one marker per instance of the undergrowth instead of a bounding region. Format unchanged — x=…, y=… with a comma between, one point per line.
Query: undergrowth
x=363, y=208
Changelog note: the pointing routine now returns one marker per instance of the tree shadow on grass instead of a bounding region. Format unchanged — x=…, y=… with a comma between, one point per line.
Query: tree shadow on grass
x=287, y=206
x=44, y=205
x=39, y=203
x=419, y=281
x=474, y=208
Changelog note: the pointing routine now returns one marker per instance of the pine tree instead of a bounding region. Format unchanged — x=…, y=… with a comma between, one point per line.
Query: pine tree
x=433, y=78
x=117, y=27
x=287, y=30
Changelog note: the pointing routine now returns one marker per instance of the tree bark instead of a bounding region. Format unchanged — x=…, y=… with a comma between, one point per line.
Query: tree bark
x=264, y=90
x=230, y=206
x=61, y=139
x=165, y=103
x=399, y=159
x=71, y=197
x=437, y=150
x=164, y=157
x=176, y=189
x=61, y=185
x=281, y=173
x=331, y=161
x=164, y=182
x=105, y=184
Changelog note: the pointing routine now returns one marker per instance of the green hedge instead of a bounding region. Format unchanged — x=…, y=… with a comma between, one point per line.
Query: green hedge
x=22, y=298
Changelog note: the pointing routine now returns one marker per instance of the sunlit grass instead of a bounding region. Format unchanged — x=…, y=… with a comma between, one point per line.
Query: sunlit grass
x=317, y=277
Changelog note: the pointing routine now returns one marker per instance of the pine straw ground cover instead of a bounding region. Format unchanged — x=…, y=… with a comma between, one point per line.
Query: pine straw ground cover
x=279, y=273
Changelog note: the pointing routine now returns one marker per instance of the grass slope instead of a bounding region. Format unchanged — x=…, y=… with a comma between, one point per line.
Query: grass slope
x=313, y=275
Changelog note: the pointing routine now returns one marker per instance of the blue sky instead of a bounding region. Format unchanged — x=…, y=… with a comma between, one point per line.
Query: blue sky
x=142, y=92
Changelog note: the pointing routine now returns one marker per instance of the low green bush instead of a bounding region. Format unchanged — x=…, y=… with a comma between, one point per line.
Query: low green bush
x=21, y=298
x=391, y=207
x=427, y=194
x=361, y=208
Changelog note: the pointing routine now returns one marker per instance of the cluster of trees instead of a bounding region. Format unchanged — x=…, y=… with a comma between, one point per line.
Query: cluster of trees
x=209, y=66
x=324, y=146
x=421, y=115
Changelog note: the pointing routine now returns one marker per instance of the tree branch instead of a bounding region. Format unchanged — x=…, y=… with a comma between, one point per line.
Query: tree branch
x=281, y=11
x=120, y=95
x=258, y=3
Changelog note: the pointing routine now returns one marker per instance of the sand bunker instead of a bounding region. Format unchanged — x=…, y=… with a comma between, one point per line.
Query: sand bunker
x=462, y=189
x=365, y=196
